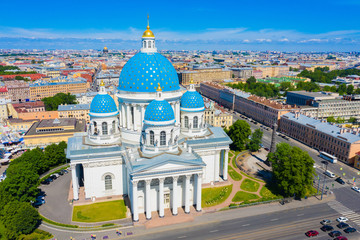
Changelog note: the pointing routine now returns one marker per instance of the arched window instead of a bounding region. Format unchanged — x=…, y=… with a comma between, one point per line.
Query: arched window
x=113, y=127
x=186, y=121
x=144, y=44
x=108, y=182
x=162, y=138
x=104, y=128
x=95, y=129
x=195, y=122
x=152, y=138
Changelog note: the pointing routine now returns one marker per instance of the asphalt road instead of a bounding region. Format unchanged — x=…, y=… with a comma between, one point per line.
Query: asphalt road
x=291, y=224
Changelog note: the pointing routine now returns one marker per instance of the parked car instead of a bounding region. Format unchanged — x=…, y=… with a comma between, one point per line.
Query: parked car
x=339, y=180
x=46, y=181
x=326, y=228
x=49, y=179
x=356, y=189
x=267, y=149
x=335, y=234
x=350, y=230
x=342, y=225
x=312, y=233
x=342, y=219
x=60, y=173
x=325, y=222
x=341, y=238
x=53, y=176
x=38, y=203
x=64, y=171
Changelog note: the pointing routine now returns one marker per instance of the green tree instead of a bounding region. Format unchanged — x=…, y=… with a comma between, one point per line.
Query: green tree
x=251, y=80
x=255, y=141
x=52, y=103
x=239, y=133
x=340, y=120
x=293, y=170
x=20, y=217
x=350, y=89
x=352, y=120
x=330, y=119
x=342, y=89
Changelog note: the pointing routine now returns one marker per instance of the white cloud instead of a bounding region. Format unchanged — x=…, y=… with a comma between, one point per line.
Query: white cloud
x=239, y=35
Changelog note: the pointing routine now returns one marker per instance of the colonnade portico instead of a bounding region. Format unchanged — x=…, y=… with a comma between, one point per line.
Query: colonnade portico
x=175, y=193
x=132, y=114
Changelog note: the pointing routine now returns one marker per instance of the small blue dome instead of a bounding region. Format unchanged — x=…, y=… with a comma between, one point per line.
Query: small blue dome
x=144, y=71
x=103, y=104
x=192, y=101
x=159, y=111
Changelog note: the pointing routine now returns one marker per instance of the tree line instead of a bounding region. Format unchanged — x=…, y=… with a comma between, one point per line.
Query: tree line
x=52, y=103
x=21, y=187
x=4, y=68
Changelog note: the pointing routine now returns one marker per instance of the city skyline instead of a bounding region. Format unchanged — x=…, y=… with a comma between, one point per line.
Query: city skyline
x=260, y=25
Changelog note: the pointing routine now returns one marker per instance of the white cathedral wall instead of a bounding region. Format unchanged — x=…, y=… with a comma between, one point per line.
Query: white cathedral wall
x=212, y=160
x=94, y=181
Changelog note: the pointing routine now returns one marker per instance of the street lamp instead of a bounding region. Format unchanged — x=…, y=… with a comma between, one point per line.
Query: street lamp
x=322, y=192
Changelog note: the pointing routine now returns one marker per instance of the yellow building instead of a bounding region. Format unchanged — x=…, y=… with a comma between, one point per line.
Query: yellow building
x=43, y=89
x=218, y=118
x=78, y=111
x=20, y=125
x=205, y=74
x=51, y=131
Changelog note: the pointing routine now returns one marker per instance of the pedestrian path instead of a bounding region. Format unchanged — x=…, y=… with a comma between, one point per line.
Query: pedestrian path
x=345, y=212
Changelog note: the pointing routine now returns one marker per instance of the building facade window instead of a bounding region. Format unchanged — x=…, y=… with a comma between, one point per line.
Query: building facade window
x=152, y=138
x=162, y=138
x=195, y=122
x=108, y=182
x=104, y=128
x=186, y=121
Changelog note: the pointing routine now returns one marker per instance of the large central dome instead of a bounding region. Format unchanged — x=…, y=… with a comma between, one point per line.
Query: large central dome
x=144, y=71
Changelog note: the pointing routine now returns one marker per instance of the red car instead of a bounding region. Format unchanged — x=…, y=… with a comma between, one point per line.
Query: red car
x=340, y=238
x=311, y=233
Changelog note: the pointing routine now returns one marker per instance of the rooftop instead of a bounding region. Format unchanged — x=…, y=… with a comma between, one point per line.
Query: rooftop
x=325, y=127
x=71, y=107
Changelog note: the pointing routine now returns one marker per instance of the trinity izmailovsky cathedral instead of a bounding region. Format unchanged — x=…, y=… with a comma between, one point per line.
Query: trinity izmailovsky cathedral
x=155, y=148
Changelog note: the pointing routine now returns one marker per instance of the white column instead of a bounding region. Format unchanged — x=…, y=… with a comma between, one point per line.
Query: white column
x=75, y=182
x=120, y=115
x=174, y=196
x=217, y=166
x=187, y=194
x=226, y=163
x=135, y=117
x=135, y=201
x=198, y=191
x=147, y=199
x=142, y=107
x=161, y=197
x=128, y=113
x=123, y=115
x=177, y=107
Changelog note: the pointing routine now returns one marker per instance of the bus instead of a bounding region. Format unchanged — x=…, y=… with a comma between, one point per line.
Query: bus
x=328, y=157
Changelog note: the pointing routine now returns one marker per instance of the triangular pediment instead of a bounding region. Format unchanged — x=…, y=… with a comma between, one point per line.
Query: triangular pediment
x=168, y=165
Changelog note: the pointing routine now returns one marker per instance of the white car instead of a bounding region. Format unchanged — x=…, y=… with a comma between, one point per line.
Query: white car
x=356, y=189
x=342, y=219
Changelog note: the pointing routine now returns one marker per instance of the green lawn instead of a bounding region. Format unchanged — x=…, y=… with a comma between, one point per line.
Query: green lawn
x=99, y=212
x=2, y=231
x=244, y=196
x=250, y=185
x=256, y=179
x=266, y=193
x=233, y=174
x=214, y=196
x=37, y=234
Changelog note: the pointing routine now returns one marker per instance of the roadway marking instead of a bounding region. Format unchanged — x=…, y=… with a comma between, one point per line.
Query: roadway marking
x=301, y=214
x=214, y=231
x=246, y=225
x=182, y=237
x=274, y=219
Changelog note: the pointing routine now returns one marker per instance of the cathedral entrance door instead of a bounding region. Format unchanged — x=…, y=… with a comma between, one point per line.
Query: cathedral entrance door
x=167, y=200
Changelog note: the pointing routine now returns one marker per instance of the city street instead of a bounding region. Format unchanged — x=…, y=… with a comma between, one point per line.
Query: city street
x=338, y=168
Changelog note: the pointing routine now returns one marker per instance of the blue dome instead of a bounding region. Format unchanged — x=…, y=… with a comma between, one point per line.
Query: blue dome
x=144, y=71
x=159, y=111
x=192, y=101
x=103, y=104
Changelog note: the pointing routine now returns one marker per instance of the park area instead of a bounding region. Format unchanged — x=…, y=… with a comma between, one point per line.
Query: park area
x=243, y=188
x=100, y=212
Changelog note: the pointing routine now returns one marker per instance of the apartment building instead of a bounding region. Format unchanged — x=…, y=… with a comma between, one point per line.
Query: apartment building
x=217, y=117
x=30, y=111
x=18, y=90
x=42, y=89
x=78, y=111
x=204, y=74
x=342, y=143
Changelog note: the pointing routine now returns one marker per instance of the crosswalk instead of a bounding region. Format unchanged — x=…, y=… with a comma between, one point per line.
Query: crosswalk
x=345, y=212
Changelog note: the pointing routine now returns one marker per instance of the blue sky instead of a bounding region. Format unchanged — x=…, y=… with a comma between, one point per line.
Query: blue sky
x=317, y=25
